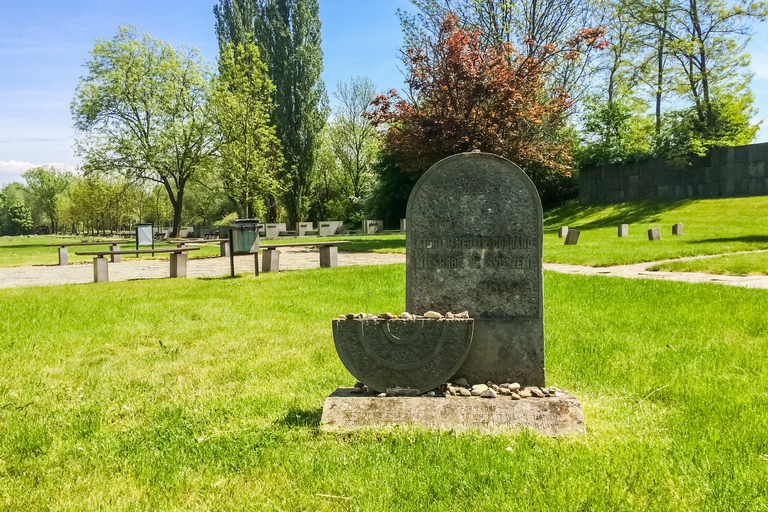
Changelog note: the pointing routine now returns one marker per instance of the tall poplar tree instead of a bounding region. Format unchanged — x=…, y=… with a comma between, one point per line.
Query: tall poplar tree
x=288, y=35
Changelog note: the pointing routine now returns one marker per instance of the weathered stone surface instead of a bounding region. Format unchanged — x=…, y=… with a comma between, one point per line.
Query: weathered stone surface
x=654, y=234
x=572, y=238
x=474, y=243
x=562, y=231
x=677, y=229
x=420, y=354
x=549, y=416
x=623, y=230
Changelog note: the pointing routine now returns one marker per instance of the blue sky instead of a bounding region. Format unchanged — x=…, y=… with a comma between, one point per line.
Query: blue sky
x=44, y=44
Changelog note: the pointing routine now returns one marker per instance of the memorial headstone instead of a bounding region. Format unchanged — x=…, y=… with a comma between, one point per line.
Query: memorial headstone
x=677, y=229
x=572, y=238
x=371, y=227
x=402, y=224
x=274, y=230
x=654, y=234
x=474, y=243
x=623, y=230
x=303, y=227
x=329, y=227
x=562, y=232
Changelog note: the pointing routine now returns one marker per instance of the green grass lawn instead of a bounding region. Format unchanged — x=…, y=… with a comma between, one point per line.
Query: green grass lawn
x=205, y=394
x=733, y=264
x=711, y=226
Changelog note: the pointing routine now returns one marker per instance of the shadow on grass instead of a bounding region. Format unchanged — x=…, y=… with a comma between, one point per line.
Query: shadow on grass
x=624, y=213
x=747, y=239
x=297, y=417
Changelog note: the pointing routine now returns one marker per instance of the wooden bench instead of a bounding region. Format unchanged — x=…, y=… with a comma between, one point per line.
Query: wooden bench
x=114, y=245
x=223, y=243
x=101, y=271
x=329, y=254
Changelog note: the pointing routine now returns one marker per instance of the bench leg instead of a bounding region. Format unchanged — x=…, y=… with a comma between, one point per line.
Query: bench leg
x=63, y=256
x=270, y=260
x=100, y=270
x=329, y=257
x=114, y=258
x=179, y=264
x=224, y=249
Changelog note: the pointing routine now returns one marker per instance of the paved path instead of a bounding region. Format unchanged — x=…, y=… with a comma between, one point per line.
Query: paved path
x=294, y=258
x=640, y=271
x=291, y=258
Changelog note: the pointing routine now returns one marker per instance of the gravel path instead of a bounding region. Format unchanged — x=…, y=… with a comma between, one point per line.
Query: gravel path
x=291, y=258
x=295, y=258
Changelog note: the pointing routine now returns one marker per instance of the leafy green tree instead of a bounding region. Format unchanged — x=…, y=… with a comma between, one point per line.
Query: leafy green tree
x=46, y=185
x=249, y=151
x=142, y=112
x=288, y=35
x=353, y=138
x=19, y=219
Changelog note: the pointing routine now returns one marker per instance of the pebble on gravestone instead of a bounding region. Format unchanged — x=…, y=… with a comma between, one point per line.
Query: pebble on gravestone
x=654, y=234
x=572, y=238
x=677, y=229
x=474, y=243
x=623, y=230
x=562, y=231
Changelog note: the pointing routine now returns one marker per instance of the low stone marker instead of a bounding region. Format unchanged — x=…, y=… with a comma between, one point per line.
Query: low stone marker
x=562, y=232
x=273, y=230
x=303, y=227
x=654, y=234
x=371, y=227
x=402, y=224
x=329, y=227
x=572, y=238
x=623, y=230
x=677, y=229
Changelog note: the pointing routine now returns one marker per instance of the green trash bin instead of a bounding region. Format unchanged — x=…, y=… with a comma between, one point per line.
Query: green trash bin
x=245, y=236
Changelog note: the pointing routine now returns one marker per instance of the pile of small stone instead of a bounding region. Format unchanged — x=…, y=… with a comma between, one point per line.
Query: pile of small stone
x=460, y=387
x=404, y=316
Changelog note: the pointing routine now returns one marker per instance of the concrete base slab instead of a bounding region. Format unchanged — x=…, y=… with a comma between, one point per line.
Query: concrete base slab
x=550, y=416
x=114, y=258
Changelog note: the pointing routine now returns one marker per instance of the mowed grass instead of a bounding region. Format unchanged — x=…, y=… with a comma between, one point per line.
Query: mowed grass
x=392, y=243
x=732, y=264
x=22, y=251
x=205, y=394
x=711, y=226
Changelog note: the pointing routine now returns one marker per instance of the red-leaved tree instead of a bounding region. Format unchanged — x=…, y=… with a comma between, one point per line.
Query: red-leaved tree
x=464, y=97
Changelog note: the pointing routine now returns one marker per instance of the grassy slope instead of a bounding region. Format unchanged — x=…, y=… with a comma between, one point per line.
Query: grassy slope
x=206, y=394
x=712, y=226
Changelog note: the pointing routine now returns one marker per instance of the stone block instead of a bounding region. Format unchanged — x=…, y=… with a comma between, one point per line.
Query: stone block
x=371, y=227
x=303, y=227
x=549, y=416
x=114, y=258
x=63, y=256
x=677, y=229
x=270, y=260
x=562, y=231
x=329, y=257
x=178, y=264
x=654, y=234
x=623, y=230
x=572, y=238
x=274, y=230
x=329, y=227
x=100, y=270
x=224, y=249
x=403, y=224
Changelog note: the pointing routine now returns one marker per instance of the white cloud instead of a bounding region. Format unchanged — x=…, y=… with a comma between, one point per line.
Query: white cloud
x=10, y=170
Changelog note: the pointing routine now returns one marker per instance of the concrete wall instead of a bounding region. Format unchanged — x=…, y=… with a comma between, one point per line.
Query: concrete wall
x=724, y=172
